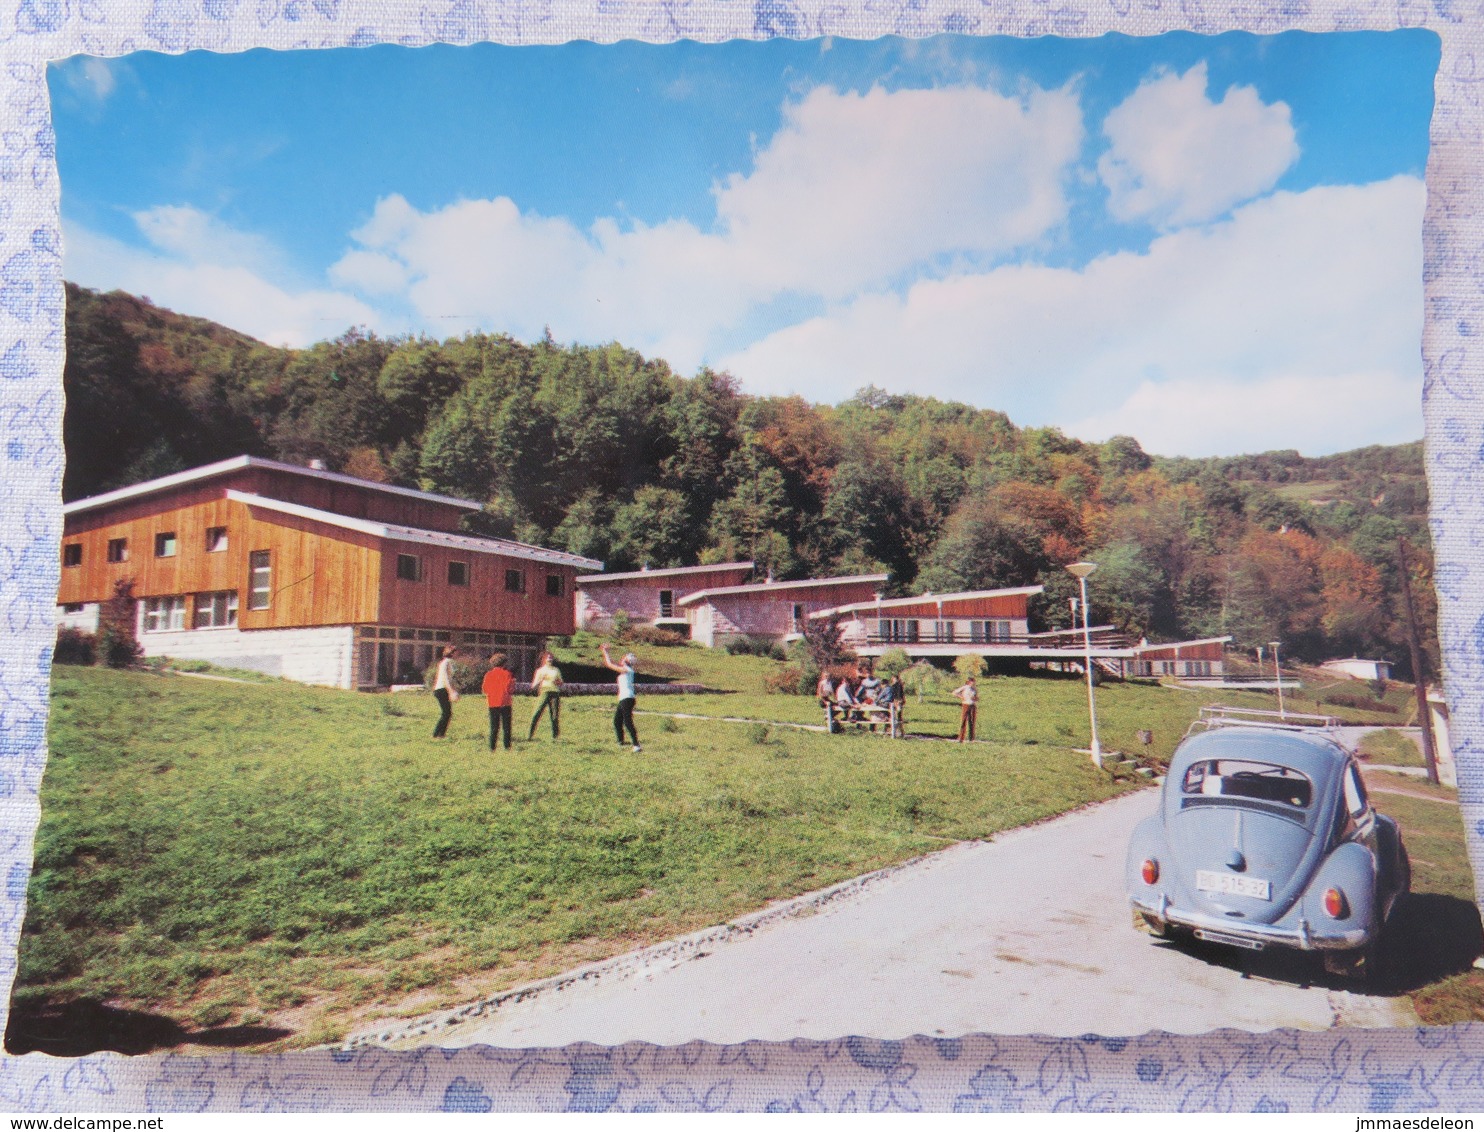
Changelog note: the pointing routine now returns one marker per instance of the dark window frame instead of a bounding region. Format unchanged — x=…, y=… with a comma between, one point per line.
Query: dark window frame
x=415, y=574
x=118, y=549
x=462, y=571
x=167, y=544
x=519, y=578
x=559, y=589
x=71, y=554
x=260, y=562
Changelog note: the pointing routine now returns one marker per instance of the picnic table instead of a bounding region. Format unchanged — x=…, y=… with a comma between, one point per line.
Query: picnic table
x=837, y=716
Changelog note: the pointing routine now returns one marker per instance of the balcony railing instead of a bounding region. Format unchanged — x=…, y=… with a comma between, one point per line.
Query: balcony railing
x=1066, y=640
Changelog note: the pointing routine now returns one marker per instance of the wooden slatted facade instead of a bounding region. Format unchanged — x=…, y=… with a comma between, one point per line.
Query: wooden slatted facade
x=260, y=541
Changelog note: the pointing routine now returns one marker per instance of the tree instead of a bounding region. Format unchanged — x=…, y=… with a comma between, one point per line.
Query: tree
x=653, y=529
x=969, y=665
x=822, y=641
x=118, y=641
x=983, y=548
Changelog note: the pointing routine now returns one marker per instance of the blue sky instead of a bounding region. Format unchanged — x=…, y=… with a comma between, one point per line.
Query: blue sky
x=1210, y=242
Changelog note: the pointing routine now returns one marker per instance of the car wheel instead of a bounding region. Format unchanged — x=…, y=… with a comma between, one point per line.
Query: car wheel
x=1357, y=965
x=1152, y=925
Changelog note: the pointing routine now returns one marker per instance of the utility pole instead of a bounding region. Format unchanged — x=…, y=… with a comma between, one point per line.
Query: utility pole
x=1419, y=677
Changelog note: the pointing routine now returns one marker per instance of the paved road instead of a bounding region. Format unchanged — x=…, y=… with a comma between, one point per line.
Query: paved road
x=1029, y=933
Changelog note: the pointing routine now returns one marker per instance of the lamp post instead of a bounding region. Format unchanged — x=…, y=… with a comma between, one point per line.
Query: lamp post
x=1278, y=672
x=1080, y=571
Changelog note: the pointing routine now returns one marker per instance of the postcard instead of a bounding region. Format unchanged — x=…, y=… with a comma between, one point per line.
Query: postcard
x=745, y=541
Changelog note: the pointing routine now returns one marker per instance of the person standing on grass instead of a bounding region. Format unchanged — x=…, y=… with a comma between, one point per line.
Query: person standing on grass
x=445, y=691
x=623, y=713
x=499, y=682
x=825, y=690
x=547, y=683
x=968, y=698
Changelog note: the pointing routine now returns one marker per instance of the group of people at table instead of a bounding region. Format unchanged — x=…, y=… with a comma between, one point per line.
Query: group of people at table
x=861, y=697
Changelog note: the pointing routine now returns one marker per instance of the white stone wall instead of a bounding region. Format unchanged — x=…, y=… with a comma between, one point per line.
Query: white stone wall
x=312, y=656
x=86, y=620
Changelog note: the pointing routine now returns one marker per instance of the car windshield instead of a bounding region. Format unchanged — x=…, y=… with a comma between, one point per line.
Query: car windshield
x=1242, y=778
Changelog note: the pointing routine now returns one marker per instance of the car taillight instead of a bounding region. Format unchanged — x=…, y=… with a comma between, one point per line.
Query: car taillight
x=1335, y=905
x=1150, y=871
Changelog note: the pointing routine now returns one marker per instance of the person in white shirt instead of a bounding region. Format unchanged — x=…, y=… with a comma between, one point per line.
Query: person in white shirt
x=445, y=691
x=968, y=698
x=623, y=713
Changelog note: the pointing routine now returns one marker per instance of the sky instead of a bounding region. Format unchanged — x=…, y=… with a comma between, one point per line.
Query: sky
x=1211, y=243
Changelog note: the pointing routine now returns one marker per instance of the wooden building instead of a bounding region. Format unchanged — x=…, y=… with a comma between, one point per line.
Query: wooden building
x=650, y=597
x=996, y=623
x=310, y=574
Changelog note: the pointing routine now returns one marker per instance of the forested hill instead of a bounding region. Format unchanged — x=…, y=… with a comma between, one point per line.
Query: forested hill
x=606, y=453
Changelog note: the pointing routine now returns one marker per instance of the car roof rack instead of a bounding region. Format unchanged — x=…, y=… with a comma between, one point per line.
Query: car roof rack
x=1223, y=715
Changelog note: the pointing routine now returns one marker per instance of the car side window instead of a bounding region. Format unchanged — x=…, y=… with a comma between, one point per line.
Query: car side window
x=1355, y=797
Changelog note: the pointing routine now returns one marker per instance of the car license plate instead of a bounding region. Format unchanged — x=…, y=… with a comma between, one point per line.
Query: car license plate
x=1233, y=885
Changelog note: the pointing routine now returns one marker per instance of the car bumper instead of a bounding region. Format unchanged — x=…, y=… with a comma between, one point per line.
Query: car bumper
x=1253, y=937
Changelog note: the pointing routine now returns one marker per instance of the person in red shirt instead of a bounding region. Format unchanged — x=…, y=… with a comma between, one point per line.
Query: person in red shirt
x=499, y=682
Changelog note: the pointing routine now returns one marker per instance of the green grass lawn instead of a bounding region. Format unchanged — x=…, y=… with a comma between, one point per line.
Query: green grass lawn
x=1435, y=933
x=1390, y=748
x=306, y=858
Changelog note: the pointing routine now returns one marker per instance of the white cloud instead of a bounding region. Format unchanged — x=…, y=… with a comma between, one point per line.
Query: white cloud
x=90, y=78
x=1323, y=284
x=1314, y=414
x=229, y=293
x=196, y=237
x=855, y=188
x=851, y=192
x=1178, y=158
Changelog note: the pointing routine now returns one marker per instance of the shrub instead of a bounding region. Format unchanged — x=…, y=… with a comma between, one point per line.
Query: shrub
x=893, y=660
x=117, y=645
x=791, y=680
x=620, y=623
x=75, y=647
x=753, y=645
x=1361, y=703
x=757, y=733
x=969, y=664
x=651, y=635
x=923, y=678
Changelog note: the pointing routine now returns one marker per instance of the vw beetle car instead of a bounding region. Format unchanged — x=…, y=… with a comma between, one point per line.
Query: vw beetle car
x=1265, y=838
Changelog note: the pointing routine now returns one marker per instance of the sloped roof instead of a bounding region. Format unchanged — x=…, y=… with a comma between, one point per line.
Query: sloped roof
x=471, y=543
x=241, y=463
x=634, y=575
x=921, y=599
x=765, y=587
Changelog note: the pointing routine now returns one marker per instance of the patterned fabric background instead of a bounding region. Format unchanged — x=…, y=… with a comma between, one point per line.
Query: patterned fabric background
x=1282, y=1071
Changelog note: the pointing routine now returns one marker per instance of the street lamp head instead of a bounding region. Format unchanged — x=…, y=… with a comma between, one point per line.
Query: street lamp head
x=1081, y=569
x=1273, y=645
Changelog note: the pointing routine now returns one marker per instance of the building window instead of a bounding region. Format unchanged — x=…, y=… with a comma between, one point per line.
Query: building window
x=943, y=631
x=556, y=585
x=798, y=617
x=216, y=539
x=515, y=581
x=458, y=573
x=72, y=554
x=409, y=568
x=260, y=579
x=216, y=610
x=164, y=614
x=667, y=603
x=165, y=545
x=73, y=607
x=118, y=550
x=899, y=630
